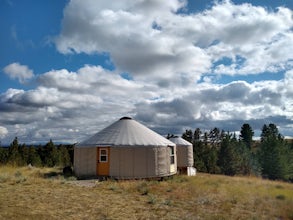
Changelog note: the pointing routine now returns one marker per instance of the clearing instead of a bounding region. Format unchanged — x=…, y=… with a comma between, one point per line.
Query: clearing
x=43, y=193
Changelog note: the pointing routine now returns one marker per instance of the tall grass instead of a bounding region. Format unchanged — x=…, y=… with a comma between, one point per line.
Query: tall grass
x=43, y=193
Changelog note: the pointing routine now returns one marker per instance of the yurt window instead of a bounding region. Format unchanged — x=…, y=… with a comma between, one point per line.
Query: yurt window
x=103, y=155
x=172, y=156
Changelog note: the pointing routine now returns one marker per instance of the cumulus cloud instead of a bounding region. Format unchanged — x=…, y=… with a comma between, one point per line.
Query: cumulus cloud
x=3, y=132
x=225, y=106
x=133, y=34
x=20, y=72
x=289, y=82
x=172, y=59
x=151, y=38
x=68, y=106
x=65, y=102
x=251, y=37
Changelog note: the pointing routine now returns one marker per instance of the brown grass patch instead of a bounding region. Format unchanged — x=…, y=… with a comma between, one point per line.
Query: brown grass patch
x=43, y=193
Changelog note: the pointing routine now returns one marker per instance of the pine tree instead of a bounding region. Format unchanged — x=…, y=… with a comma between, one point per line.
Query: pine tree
x=24, y=153
x=197, y=134
x=215, y=136
x=187, y=135
x=199, y=152
x=64, y=157
x=34, y=158
x=246, y=135
x=14, y=156
x=229, y=158
x=275, y=155
x=3, y=155
x=51, y=156
x=210, y=159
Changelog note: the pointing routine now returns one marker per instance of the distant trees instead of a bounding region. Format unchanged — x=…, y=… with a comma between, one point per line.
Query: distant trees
x=215, y=151
x=64, y=156
x=246, y=134
x=220, y=152
x=187, y=135
x=275, y=155
x=34, y=158
x=48, y=155
x=205, y=151
x=235, y=158
x=3, y=155
x=229, y=156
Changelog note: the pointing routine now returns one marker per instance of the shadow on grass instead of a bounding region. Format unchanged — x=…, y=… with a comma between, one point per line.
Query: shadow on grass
x=66, y=173
x=52, y=174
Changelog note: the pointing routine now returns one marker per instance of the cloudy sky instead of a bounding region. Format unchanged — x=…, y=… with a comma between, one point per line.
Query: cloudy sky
x=70, y=68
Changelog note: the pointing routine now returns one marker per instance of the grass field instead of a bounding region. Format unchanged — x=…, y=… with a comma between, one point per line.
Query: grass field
x=43, y=193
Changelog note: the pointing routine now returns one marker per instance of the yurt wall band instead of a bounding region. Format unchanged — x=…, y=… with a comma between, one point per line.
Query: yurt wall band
x=125, y=150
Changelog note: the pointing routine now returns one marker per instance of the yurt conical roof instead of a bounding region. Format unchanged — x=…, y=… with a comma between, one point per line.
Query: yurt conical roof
x=126, y=132
x=179, y=141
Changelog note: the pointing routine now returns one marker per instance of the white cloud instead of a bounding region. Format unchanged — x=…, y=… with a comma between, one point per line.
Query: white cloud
x=3, y=132
x=225, y=106
x=151, y=38
x=69, y=100
x=129, y=34
x=20, y=72
x=289, y=82
x=166, y=53
x=68, y=106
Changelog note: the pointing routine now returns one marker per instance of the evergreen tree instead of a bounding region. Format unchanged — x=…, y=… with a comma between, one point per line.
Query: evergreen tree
x=210, y=159
x=51, y=156
x=187, y=135
x=270, y=159
x=24, y=153
x=215, y=137
x=246, y=135
x=33, y=157
x=64, y=157
x=3, y=155
x=287, y=162
x=41, y=152
x=275, y=155
x=197, y=134
x=199, y=151
x=248, y=164
x=229, y=158
x=70, y=149
x=14, y=156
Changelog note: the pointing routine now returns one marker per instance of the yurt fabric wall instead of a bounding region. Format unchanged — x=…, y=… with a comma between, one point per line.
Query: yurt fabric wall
x=134, y=151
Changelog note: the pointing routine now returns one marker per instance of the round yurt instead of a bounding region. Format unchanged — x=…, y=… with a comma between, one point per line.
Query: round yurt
x=184, y=155
x=125, y=149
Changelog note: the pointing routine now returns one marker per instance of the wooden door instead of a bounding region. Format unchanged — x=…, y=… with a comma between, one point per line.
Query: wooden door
x=103, y=159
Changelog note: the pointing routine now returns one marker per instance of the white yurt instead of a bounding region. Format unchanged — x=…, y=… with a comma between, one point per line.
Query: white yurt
x=125, y=149
x=184, y=153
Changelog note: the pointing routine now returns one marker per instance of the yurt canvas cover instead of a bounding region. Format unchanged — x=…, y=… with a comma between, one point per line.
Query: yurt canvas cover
x=125, y=150
x=184, y=152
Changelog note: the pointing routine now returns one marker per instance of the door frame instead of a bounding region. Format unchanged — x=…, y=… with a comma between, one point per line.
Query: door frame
x=103, y=164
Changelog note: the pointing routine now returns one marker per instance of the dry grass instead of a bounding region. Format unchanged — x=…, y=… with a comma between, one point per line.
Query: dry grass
x=35, y=193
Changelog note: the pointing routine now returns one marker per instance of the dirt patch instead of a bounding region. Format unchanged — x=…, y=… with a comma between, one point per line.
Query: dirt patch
x=85, y=183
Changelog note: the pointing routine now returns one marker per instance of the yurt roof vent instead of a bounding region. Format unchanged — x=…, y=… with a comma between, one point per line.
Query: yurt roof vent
x=125, y=118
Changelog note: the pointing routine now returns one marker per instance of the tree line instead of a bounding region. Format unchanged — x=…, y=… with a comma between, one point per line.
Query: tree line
x=221, y=152
x=215, y=151
x=48, y=155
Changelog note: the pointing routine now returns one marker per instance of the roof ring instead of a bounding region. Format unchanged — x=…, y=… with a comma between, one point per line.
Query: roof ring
x=125, y=118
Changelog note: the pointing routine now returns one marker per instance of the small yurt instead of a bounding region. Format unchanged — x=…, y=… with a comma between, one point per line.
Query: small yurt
x=184, y=156
x=125, y=149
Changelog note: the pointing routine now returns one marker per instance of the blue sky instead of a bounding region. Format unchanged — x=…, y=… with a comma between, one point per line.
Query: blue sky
x=70, y=68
